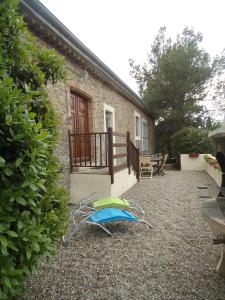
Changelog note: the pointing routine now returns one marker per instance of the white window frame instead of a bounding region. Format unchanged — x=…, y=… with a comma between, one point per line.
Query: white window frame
x=143, y=120
x=112, y=110
x=137, y=137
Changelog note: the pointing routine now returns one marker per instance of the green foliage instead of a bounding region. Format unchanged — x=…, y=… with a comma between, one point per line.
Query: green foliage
x=212, y=161
x=33, y=208
x=174, y=82
x=191, y=139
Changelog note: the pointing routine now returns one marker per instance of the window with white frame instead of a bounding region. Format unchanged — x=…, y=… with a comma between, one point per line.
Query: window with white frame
x=109, y=121
x=109, y=117
x=137, y=126
x=144, y=136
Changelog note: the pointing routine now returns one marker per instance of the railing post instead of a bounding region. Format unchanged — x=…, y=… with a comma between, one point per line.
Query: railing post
x=70, y=151
x=128, y=151
x=138, y=166
x=110, y=154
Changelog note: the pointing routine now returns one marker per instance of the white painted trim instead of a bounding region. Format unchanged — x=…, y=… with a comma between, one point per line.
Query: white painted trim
x=137, y=137
x=112, y=110
x=143, y=120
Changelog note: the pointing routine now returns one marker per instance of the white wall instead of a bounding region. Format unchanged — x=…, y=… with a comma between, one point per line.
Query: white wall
x=122, y=182
x=199, y=164
x=192, y=163
x=84, y=184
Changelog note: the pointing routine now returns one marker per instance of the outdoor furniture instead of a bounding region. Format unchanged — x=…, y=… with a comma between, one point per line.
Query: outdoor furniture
x=156, y=166
x=100, y=218
x=146, y=167
x=153, y=156
x=159, y=167
x=159, y=155
x=95, y=204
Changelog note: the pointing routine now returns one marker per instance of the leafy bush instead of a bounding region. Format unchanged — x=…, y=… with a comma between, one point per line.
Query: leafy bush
x=212, y=161
x=191, y=139
x=33, y=209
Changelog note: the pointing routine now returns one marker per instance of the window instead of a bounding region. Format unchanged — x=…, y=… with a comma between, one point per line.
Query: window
x=109, y=121
x=137, y=126
x=144, y=136
x=109, y=117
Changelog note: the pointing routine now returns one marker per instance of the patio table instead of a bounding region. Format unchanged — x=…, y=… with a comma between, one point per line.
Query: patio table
x=157, y=160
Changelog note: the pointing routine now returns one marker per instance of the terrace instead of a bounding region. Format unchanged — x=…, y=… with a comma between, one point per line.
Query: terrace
x=174, y=260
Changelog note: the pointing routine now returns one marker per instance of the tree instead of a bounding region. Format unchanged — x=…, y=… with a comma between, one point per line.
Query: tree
x=191, y=139
x=33, y=210
x=174, y=83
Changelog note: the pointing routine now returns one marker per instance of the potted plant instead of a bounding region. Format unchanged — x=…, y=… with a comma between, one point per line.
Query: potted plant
x=193, y=141
x=193, y=154
x=194, y=151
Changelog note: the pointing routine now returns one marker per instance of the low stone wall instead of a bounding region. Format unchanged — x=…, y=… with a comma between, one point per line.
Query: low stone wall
x=199, y=164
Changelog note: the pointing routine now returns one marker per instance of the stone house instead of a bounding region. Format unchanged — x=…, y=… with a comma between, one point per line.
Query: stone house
x=92, y=100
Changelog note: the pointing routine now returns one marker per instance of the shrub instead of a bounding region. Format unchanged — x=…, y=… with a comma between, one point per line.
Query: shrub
x=191, y=139
x=33, y=208
x=212, y=161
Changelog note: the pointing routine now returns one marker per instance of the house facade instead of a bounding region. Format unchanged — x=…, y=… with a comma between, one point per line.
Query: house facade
x=90, y=101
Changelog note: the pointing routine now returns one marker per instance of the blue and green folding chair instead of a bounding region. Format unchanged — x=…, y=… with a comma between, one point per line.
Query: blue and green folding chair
x=103, y=216
x=90, y=203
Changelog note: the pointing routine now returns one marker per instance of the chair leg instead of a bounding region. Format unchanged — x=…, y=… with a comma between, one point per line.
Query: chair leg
x=146, y=223
x=100, y=225
x=137, y=207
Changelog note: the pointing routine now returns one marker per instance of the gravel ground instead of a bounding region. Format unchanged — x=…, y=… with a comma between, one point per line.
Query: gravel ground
x=175, y=260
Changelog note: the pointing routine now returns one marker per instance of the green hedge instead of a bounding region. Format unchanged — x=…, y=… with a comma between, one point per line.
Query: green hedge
x=33, y=210
x=192, y=139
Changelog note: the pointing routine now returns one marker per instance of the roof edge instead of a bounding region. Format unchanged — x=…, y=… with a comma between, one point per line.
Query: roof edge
x=42, y=13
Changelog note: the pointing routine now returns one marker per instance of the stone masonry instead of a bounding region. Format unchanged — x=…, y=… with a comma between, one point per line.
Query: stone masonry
x=79, y=79
x=99, y=89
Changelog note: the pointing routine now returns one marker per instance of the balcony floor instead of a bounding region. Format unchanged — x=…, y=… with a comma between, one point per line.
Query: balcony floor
x=91, y=170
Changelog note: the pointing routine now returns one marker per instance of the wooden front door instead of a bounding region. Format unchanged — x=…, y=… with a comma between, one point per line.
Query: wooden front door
x=79, y=119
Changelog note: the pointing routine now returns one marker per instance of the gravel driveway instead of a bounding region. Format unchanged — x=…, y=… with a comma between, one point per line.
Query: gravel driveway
x=175, y=260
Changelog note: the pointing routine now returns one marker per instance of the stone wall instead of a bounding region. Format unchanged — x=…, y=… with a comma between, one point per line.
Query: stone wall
x=98, y=93
x=57, y=95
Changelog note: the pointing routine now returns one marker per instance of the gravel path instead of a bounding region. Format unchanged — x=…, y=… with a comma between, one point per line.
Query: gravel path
x=175, y=260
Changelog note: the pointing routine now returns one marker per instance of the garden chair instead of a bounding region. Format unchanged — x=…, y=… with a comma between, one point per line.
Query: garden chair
x=88, y=202
x=161, y=170
x=146, y=167
x=159, y=155
x=101, y=217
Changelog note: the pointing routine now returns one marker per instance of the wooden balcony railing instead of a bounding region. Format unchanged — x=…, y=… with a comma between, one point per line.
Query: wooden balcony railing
x=109, y=149
x=134, y=159
x=89, y=149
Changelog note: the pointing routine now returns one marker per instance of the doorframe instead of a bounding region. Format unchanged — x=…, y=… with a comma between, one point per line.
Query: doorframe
x=73, y=90
x=77, y=93
x=81, y=93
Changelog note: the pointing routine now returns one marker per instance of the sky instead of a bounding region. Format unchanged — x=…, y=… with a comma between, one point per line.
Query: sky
x=117, y=30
